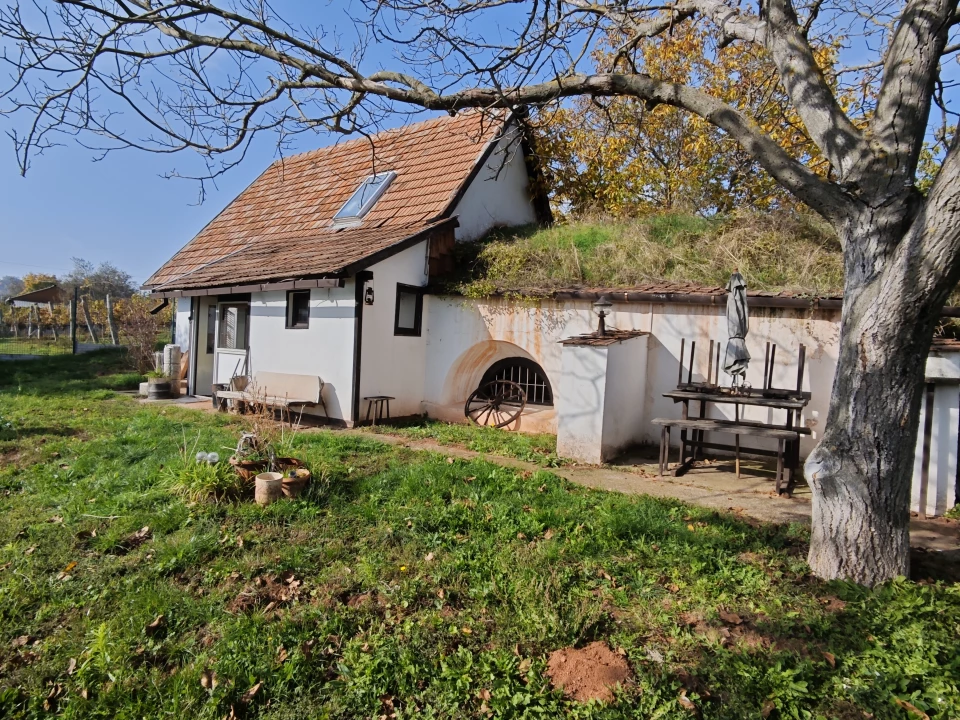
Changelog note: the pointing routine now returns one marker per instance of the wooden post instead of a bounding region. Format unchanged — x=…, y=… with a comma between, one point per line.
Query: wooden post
x=710, y=364
x=773, y=354
x=766, y=364
x=693, y=348
x=86, y=318
x=802, y=362
x=716, y=372
x=73, y=322
x=53, y=322
x=114, y=335
x=680, y=372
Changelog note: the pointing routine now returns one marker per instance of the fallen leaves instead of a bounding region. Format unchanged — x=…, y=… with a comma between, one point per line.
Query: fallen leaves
x=830, y=658
x=730, y=618
x=250, y=694
x=156, y=626
x=686, y=703
x=911, y=708
x=208, y=679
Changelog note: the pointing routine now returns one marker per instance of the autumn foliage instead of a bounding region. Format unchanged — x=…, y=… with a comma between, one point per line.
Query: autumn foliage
x=622, y=157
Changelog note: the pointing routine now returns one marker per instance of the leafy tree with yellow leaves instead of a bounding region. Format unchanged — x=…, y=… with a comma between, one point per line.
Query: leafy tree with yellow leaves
x=623, y=157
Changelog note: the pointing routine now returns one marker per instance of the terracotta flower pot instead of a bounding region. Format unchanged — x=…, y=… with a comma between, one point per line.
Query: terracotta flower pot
x=293, y=486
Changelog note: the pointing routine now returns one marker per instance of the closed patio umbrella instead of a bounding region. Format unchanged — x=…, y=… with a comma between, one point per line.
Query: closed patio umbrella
x=737, y=358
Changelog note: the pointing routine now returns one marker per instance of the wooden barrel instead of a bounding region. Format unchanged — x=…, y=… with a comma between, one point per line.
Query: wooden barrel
x=268, y=488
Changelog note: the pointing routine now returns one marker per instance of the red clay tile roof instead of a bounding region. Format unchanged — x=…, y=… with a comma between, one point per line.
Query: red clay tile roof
x=285, y=215
x=283, y=259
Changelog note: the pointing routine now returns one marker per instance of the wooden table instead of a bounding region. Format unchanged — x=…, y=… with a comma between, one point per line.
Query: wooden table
x=786, y=435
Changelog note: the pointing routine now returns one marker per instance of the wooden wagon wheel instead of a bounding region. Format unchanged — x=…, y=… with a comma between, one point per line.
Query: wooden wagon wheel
x=497, y=403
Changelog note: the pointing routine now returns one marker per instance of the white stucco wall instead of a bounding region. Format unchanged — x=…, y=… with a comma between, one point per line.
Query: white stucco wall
x=626, y=388
x=325, y=348
x=182, y=329
x=393, y=364
x=499, y=195
x=600, y=399
x=464, y=337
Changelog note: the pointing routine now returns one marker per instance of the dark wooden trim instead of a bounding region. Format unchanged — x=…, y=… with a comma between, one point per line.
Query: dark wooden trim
x=359, y=281
x=195, y=339
x=400, y=246
x=417, y=330
x=287, y=313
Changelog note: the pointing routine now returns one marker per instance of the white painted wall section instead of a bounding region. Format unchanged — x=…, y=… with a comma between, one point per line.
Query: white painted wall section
x=939, y=493
x=394, y=364
x=325, y=348
x=499, y=195
x=600, y=399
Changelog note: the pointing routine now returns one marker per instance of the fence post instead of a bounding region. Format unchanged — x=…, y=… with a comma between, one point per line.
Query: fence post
x=86, y=318
x=53, y=322
x=73, y=320
x=114, y=335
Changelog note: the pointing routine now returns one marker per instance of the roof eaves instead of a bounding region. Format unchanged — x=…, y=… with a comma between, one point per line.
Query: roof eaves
x=399, y=246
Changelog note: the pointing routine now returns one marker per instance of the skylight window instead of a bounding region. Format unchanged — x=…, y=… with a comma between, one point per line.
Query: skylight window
x=365, y=197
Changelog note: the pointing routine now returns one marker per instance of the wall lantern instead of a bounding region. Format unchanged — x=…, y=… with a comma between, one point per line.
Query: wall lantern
x=602, y=308
x=368, y=296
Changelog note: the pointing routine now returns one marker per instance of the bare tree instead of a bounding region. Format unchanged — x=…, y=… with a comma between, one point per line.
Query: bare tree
x=178, y=74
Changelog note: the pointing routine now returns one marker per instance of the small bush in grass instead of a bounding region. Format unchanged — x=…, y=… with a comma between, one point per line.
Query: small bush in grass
x=8, y=430
x=201, y=476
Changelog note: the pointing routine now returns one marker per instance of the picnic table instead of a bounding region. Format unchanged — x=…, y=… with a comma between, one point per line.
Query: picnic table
x=693, y=428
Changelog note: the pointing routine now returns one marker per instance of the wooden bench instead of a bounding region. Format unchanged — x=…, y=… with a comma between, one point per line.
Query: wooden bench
x=277, y=390
x=781, y=434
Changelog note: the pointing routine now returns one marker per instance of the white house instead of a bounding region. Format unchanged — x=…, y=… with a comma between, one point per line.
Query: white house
x=320, y=266
x=324, y=267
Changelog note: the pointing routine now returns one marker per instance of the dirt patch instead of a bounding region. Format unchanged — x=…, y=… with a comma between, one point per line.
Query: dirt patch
x=588, y=674
x=267, y=592
x=928, y=566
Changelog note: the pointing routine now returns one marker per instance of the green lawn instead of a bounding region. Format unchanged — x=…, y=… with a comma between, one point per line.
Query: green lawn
x=32, y=346
x=539, y=449
x=406, y=586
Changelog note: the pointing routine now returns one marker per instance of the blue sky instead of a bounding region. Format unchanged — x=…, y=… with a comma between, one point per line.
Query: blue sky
x=121, y=209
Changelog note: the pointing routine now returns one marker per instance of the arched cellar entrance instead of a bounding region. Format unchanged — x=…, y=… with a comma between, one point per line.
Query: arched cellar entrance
x=499, y=360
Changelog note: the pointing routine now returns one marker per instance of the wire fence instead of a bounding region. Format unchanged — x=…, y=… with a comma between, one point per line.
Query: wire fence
x=44, y=329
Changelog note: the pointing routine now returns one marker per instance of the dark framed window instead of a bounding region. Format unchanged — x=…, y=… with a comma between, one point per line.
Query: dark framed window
x=525, y=373
x=234, y=326
x=298, y=309
x=211, y=329
x=409, y=314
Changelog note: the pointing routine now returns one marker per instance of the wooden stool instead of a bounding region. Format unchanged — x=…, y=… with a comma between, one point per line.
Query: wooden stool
x=378, y=401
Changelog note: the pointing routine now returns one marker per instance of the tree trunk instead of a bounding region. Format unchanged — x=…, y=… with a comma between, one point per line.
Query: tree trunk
x=861, y=471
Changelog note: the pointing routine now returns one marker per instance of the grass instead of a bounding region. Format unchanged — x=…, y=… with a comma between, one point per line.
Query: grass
x=408, y=587
x=32, y=346
x=539, y=449
x=774, y=252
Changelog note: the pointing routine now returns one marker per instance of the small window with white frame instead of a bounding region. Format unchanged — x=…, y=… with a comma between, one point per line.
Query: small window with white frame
x=364, y=198
x=298, y=309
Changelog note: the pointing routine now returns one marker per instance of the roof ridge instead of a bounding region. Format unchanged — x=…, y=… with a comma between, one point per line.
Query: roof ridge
x=399, y=130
